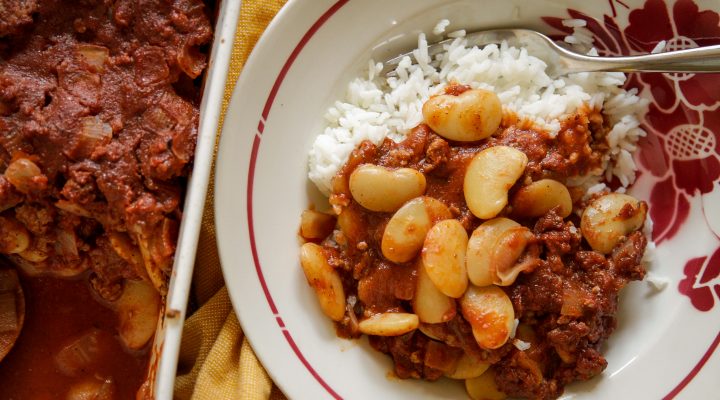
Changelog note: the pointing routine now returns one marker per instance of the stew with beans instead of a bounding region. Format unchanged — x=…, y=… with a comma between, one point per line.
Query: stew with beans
x=465, y=250
x=99, y=108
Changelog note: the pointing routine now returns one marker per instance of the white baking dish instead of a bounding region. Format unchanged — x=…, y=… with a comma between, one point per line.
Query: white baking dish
x=166, y=347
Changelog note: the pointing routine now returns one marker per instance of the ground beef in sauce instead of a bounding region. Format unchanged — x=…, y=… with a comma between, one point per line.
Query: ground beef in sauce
x=566, y=305
x=14, y=14
x=99, y=106
x=99, y=110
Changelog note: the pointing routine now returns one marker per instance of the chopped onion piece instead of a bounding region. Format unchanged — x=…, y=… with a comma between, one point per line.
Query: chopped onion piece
x=66, y=243
x=191, y=60
x=94, y=55
x=79, y=354
x=93, y=133
x=573, y=301
x=126, y=249
x=94, y=129
x=21, y=174
x=158, y=120
x=72, y=208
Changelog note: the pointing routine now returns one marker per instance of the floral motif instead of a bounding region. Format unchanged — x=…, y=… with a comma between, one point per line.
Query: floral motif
x=702, y=277
x=681, y=27
x=681, y=153
x=684, y=145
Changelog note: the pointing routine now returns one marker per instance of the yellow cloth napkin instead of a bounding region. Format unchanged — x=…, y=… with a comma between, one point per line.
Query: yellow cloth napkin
x=216, y=361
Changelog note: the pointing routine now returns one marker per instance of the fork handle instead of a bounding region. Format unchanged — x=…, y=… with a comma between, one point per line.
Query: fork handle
x=699, y=60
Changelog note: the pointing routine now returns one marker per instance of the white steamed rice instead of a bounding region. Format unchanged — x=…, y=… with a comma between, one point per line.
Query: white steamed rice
x=376, y=107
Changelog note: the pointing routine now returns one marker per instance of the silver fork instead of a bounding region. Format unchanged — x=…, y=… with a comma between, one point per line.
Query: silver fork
x=563, y=61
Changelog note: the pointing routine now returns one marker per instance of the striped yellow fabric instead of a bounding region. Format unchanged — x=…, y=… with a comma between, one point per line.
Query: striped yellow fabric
x=216, y=361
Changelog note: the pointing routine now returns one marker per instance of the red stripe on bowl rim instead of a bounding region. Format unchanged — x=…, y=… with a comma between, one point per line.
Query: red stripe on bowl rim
x=258, y=268
x=251, y=175
x=695, y=370
x=303, y=41
x=251, y=225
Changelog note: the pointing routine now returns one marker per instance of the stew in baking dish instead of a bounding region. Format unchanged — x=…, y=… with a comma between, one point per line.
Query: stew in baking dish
x=99, y=108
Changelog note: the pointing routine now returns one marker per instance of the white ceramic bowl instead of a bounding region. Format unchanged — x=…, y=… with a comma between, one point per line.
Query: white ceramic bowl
x=666, y=341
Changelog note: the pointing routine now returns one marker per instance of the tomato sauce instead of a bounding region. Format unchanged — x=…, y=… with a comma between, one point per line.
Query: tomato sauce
x=99, y=111
x=58, y=312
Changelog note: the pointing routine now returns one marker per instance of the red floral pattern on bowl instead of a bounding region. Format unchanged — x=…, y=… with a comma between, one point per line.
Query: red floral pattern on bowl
x=681, y=153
